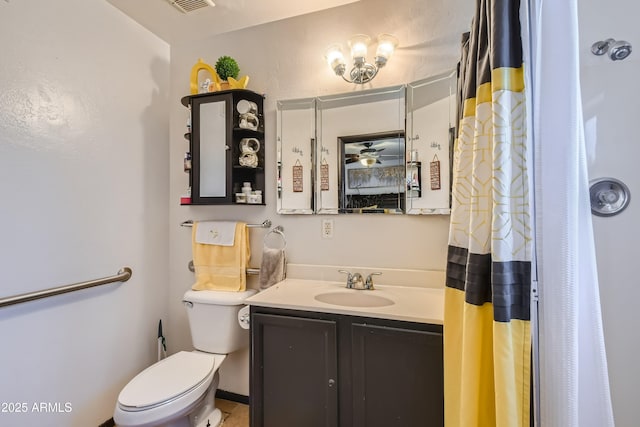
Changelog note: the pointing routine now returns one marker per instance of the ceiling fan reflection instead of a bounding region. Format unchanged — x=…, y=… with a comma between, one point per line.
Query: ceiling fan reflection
x=368, y=155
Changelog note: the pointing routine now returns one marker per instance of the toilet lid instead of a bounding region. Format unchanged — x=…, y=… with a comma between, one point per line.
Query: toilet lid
x=167, y=379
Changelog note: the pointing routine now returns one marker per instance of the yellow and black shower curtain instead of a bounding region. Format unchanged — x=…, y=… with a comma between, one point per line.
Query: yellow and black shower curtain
x=487, y=342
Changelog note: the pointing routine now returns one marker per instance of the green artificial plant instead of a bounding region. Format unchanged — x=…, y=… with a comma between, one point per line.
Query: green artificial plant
x=227, y=67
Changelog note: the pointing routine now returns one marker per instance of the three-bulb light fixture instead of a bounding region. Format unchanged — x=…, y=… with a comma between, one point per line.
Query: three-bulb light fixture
x=362, y=71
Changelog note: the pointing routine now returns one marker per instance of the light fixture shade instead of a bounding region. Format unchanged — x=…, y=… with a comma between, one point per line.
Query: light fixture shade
x=386, y=46
x=368, y=161
x=358, y=44
x=361, y=71
x=335, y=59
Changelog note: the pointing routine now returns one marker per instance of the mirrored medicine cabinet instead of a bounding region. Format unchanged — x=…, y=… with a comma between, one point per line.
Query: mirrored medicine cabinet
x=382, y=150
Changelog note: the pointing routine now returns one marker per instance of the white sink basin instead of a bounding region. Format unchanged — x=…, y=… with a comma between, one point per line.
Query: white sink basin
x=393, y=302
x=354, y=299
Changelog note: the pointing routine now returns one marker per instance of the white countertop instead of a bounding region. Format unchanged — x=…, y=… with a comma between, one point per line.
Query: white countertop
x=412, y=304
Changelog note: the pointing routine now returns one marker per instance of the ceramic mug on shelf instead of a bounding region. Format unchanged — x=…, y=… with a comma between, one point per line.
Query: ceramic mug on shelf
x=247, y=107
x=249, y=145
x=249, y=121
x=249, y=159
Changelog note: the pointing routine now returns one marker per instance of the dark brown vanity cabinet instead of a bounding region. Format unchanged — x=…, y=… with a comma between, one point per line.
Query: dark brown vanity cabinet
x=397, y=375
x=226, y=144
x=318, y=369
x=295, y=371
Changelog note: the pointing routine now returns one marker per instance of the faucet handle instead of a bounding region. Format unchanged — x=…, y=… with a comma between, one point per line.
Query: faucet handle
x=368, y=284
x=349, y=278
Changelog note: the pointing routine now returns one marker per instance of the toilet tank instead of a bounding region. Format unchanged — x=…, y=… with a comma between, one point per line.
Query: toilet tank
x=213, y=320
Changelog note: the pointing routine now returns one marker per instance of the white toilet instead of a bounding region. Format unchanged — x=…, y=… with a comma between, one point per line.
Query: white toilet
x=179, y=391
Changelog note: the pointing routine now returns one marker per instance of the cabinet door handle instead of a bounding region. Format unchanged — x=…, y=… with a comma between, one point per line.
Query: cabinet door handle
x=331, y=382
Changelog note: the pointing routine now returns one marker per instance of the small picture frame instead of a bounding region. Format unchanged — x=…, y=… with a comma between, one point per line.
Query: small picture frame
x=297, y=177
x=434, y=168
x=324, y=175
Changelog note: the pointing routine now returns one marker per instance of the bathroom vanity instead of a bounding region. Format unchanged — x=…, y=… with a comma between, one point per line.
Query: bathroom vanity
x=374, y=362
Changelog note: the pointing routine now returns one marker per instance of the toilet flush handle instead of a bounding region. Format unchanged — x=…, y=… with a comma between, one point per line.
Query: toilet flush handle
x=187, y=304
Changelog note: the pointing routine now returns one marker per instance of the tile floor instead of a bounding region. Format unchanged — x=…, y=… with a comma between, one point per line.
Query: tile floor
x=234, y=414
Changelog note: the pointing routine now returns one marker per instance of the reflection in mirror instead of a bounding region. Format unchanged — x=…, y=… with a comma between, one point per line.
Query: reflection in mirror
x=367, y=112
x=373, y=173
x=319, y=140
x=296, y=152
x=431, y=115
x=210, y=157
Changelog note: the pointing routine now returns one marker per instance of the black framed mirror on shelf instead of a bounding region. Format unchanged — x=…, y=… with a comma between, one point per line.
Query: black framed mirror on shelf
x=226, y=146
x=372, y=179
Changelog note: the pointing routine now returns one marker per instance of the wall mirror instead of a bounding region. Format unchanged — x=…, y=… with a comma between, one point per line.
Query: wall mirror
x=339, y=117
x=327, y=145
x=372, y=179
x=431, y=117
x=210, y=159
x=295, y=156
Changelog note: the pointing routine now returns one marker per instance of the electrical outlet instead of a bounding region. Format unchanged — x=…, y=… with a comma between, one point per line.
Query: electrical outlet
x=327, y=228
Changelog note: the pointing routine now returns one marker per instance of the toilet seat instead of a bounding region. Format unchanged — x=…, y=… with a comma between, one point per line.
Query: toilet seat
x=171, y=386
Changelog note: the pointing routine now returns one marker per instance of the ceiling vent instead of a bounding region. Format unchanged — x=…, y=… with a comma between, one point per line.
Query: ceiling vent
x=186, y=6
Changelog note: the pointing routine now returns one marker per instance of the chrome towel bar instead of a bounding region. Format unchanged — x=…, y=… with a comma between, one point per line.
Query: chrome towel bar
x=265, y=224
x=123, y=275
x=250, y=270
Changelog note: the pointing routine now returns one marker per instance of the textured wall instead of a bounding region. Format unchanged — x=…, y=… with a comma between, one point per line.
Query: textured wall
x=609, y=91
x=285, y=60
x=83, y=167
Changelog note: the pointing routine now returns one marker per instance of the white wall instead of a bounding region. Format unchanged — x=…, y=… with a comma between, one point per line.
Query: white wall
x=83, y=180
x=610, y=91
x=285, y=60
x=83, y=162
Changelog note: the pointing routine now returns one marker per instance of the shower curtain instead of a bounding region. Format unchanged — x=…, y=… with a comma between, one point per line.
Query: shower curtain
x=574, y=383
x=487, y=340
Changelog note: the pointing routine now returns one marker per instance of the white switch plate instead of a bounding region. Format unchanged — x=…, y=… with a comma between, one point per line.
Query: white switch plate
x=327, y=228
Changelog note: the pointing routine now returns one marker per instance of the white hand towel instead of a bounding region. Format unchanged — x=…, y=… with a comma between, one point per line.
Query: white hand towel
x=221, y=233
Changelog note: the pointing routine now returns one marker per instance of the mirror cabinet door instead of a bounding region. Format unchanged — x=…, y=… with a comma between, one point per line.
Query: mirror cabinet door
x=210, y=149
x=352, y=118
x=295, y=156
x=431, y=116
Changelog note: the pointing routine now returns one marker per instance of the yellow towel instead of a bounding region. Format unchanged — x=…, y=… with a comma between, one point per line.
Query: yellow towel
x=222, y=268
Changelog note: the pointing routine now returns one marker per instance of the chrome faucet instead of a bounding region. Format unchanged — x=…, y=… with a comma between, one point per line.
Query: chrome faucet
x=368, y=284
x=356, y=281
x=353, y=280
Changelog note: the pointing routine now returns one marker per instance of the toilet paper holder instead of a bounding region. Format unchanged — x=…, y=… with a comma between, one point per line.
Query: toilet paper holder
x=244, y=317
